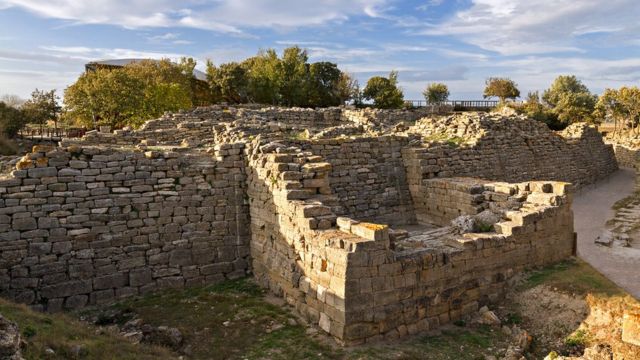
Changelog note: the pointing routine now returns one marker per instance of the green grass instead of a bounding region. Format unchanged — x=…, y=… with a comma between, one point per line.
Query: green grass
x=235, y=320
x=578, y=338
x=201, y=313
x=62, y=333
x=453, y=343
x=574, y=276
x=453, y=141
x=485, y=228
x=629, y=200
x=226, y=321
x=299, y=135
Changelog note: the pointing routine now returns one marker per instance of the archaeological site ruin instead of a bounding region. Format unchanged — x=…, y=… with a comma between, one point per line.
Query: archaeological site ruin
x=371, y=224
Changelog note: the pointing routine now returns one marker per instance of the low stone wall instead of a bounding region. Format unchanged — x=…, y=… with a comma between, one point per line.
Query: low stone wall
x=626, y=156
x=348, y=277
x=85, y=225
x=392, y=294
x=368, y=177
x=438, y=201
x=507, y=149
x=294, y=250
x=371, y=116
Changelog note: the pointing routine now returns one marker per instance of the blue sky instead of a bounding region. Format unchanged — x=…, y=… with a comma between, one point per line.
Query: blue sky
x=45, y=43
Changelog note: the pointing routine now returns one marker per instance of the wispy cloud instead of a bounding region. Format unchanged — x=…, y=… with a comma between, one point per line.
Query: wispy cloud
x=225, y=16
x=513, y=27
x=170, y=38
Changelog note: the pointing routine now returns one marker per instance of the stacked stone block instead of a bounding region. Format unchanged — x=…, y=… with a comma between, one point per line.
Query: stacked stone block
x=392, y=296
x=510, y=149
x=368, y=177
x=86, y=225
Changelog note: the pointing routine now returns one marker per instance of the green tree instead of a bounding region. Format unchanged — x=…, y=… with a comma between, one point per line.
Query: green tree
x=200, y=91
x=42, y=107
x=165, y=87
x=295, y=74
x=384, y=91
x=622, y=105
x=228, y=82
x=130, y=95
x=264, y=77
x=289, y=80
x=436, y=93
x=11, y=120
x=105, y=97
x=535, y=109
x=349, y=89
x=324, y=84
x=502, y=88
x=570, y=99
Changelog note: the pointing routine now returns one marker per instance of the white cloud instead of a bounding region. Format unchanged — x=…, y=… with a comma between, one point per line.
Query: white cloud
x=91, y=54
x=429, y=4
x=172, y=38
x=513, y=27
x=226, y=16
x=166, y=36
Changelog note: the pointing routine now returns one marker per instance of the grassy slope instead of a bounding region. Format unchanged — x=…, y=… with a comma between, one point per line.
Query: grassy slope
x=62, y=333
x=234, y=321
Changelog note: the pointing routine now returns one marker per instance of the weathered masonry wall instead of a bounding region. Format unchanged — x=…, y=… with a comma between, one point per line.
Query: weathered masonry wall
x=309, y=218
x=85, y=225
x=391, y=293
x=368, y=177
x=350, y=278
x=295, y=249
x=521, y=150
x=626, y=156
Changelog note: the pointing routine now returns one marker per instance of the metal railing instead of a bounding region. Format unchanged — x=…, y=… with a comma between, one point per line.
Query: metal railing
x=460, y=104
x=51, y=133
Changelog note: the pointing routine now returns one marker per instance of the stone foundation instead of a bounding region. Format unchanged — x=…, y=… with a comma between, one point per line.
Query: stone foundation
x=84, y=226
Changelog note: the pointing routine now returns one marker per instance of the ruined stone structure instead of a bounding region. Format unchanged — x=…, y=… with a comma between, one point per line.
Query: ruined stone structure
x=394, y=224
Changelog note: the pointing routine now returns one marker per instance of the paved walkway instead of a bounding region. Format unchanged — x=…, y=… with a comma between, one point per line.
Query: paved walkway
x=592, y=209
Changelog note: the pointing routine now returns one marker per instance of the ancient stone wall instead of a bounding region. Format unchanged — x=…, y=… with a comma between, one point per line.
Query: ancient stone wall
x=507, y=149
x=85, y=225
x=294, y=252
x=626, y=156
x=308, y=216
x=368, y=177
x=394, y=293
x=371, y=116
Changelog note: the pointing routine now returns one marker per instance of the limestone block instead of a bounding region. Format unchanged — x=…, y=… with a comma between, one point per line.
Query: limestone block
x=631, y=326
x=41, y=172
x=24, y=224
x=370, y=231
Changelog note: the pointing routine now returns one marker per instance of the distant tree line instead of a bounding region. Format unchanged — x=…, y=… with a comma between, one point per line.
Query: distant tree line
x=134, y=93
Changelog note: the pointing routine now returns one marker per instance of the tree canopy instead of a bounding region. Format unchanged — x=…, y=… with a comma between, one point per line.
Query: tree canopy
x=570, y=99
x=129, y=95
x=436, y=93
x=289, y=80
x=41, y=107
x=502, y=88
x=384, y=91
x=11, y=120
x=621, y=105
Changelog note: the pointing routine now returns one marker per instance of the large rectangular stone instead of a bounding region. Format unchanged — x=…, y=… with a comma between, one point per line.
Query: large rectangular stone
x=42, y=172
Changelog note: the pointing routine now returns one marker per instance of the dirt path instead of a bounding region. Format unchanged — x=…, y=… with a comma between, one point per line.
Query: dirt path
x=592, y=208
